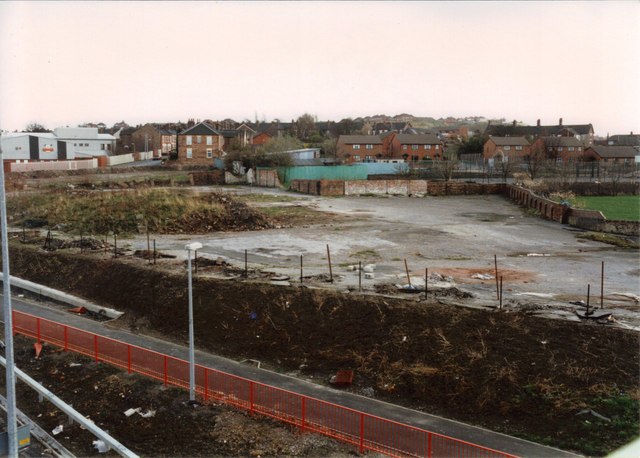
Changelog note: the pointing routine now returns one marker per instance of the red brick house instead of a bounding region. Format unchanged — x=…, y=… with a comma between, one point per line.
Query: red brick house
x=360, y=148
x=200, y=144
x=513, y=148
x=560, y=149
x=414, y=148
x=612, y=154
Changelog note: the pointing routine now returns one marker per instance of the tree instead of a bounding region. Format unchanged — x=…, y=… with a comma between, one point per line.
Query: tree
x=286, y=143
x=471, y=146
x=328, y=148
x=36, y=127
x=446, y=168
x=343, y=127
x=305, y=124
x=536, y=161
x=504, y=167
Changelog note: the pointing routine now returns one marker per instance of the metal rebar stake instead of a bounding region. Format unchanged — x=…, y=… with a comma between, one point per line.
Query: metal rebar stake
x=12, y=426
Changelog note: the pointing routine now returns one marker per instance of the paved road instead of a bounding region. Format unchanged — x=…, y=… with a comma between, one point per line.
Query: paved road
x=422, y=420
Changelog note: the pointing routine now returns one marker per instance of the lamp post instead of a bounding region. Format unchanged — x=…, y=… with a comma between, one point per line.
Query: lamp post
x=194, y=246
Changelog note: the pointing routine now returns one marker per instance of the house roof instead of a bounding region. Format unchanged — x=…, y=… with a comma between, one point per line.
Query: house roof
x=420, y=130
x=200, y=129
x=561, y=141
x=418, y=139
x=361, y=139
x=611, y=152
x=502, y=129
x=230, y=133
x=509, y=141
x=625, y=140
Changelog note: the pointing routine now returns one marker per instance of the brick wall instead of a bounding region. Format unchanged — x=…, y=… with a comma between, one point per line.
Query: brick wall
x=319, y=187
x=206, y=178
x=457, y=188
x=358, y=187
x=547, y=208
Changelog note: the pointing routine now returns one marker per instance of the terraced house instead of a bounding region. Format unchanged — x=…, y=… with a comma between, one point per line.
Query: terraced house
x=414, y=148
x=200, y=144
x=360, y=148
x=506, y=149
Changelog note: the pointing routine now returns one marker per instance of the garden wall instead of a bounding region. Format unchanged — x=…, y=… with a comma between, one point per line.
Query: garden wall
x=268, y=178
x=547, y=208
x=358, y=187
x=456, y=188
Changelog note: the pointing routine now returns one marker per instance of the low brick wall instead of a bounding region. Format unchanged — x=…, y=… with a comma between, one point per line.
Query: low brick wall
x=382, y=187
x=319, y=187
x=547, y=208
x=267, y=178
x=460, y=188
x=206, y=178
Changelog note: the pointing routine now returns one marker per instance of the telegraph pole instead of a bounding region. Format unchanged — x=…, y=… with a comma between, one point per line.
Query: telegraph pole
x=12, y=426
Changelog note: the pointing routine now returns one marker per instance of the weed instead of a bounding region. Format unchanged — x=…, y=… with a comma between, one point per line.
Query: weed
x=457, y=258
x=609, y=239
x=365, y=254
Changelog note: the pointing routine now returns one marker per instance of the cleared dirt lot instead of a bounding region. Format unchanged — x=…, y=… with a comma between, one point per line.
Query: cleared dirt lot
x=542, y=262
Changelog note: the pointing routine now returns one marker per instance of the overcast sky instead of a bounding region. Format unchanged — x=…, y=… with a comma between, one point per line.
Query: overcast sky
x=71, y=62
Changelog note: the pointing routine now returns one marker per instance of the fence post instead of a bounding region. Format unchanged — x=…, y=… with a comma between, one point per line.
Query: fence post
x=165, y=370
x=129, y=358
x=95, y=344
x=38, y=328
x=429, y=448
x=66, y=340
x=361, y=432
x=251, y=388
x=303, y=411
x=13, y=321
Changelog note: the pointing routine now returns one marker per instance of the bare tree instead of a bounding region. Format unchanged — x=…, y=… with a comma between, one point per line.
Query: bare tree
x=446, y=168
x=536, y=161
x=305, y=124
x=36, y=127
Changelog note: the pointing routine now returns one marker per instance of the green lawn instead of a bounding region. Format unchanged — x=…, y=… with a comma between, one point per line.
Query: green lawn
x=613, y=207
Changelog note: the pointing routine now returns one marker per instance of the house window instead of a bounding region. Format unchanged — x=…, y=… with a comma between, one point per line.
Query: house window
x=356, y=158
x=518, y=148
x=368, y=158
x=579, y=148
x=189, y=153
x=199, y=139
x=427, y=147
x=209, y=153
x=75, y=144
x=559, y=148
x=102, y=146
x=415, y=158
x=404, y=146
x=507, y=148
x=188, y=139
x=209, y=140
x=437, y=147
x=415, y=147
x=571, y=148
x=356, y=146
x=369, y=146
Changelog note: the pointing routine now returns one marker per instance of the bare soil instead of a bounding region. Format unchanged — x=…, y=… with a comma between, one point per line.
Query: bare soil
x=103, y=393
x=505, y=370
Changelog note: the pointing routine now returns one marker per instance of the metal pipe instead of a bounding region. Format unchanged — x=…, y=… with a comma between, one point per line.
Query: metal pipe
x=406, y=268
x=192, y=368
x=12, y=425
x=495, y=263
x=602, y=286
x=72, y=413
x=330, y=270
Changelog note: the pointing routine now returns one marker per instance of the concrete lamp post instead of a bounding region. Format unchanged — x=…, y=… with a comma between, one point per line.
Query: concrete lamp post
x=194, y=246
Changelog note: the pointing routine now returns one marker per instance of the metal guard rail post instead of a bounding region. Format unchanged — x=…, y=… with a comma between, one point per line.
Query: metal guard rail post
x=360, y=429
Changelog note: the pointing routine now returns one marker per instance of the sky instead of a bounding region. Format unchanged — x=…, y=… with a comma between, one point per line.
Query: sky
x=65, y=63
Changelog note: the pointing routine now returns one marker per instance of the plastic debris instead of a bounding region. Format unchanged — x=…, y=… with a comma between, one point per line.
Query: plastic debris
x=38, y=348
x=594, y=413
x=78, y=310
x=352, y=268
x=100, y=446
x=57, y=430
x=130, y=412
x=482, y=276
x=75, y=364
x=537, y=254
x=369, y=268
x=147, y=414
x=368, y=392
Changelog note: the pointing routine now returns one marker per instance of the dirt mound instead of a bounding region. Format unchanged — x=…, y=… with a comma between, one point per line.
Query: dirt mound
x=472, y=365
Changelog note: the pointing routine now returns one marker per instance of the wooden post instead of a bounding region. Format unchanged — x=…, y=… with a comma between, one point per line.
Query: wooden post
x=196, y=260
x=154, y=251
x=330, y=269
x=148, y=247
x=106, y=242
x=495, y=262
x=426, y=284
x=246, y=265
x=301, y=269
x=360, y=275
x=501, y=292
x=115, y=245
x=24, y=234
x=406, y=268
x=602, y=286
x=81, y=244
x=588, y=295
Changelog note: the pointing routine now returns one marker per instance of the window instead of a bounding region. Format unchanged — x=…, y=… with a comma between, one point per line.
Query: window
x=368, y=158
x=199, y=139
x=189, y=153
x=507, y=148
x=102, y=146
x=75, y=144
x=427, y=147
x=559, y=160
x=415, y=158
x=437, y=147
x=356, y=158
x=356, y=146
x=571, y=148
x=209, y=140
x=559, y=148
x=188, y=139
x=209, y=153
x=579, y=148
x=518, y=148
x=414, y=147
x=369, y=146
x=404, y=146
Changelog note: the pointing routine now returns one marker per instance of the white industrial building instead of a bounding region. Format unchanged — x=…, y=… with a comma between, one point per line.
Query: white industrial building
x=63, y=143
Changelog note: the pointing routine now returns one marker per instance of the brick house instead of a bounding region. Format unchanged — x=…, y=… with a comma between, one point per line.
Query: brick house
x=561, y=149
x=513, y=148
x=152, y=138
x=612, y=154
x=200, y=144
x=414, y=148
x=360, y=148
x=583, y=132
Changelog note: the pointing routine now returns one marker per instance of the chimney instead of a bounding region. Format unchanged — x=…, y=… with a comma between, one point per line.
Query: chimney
x=560, y=122
x=514, y=123
x=538, y=123
x=631, y=133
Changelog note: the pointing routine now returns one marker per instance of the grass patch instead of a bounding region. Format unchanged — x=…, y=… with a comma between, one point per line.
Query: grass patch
x=294, y=215
x=609, y=239
x=366, y=254
x=457, y=258
x=162, y=211
x=264, y=198
x=625, y=208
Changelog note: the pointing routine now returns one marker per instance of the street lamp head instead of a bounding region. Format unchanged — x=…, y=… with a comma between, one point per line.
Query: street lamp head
x=194, y=246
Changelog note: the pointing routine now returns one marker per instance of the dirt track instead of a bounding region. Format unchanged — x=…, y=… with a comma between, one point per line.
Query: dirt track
x=508, y=371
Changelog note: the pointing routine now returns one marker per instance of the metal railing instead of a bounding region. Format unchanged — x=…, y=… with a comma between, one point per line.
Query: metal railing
x=358, y=428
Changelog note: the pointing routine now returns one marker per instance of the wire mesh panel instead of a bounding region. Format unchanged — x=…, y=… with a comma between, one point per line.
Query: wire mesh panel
x=81, y=342
x=277, y=403
x=147, y=362
x=177, y=372
x=112, y=351
x=333, y=420
x=25, y=324
x=231, y=389
x=52, y=332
